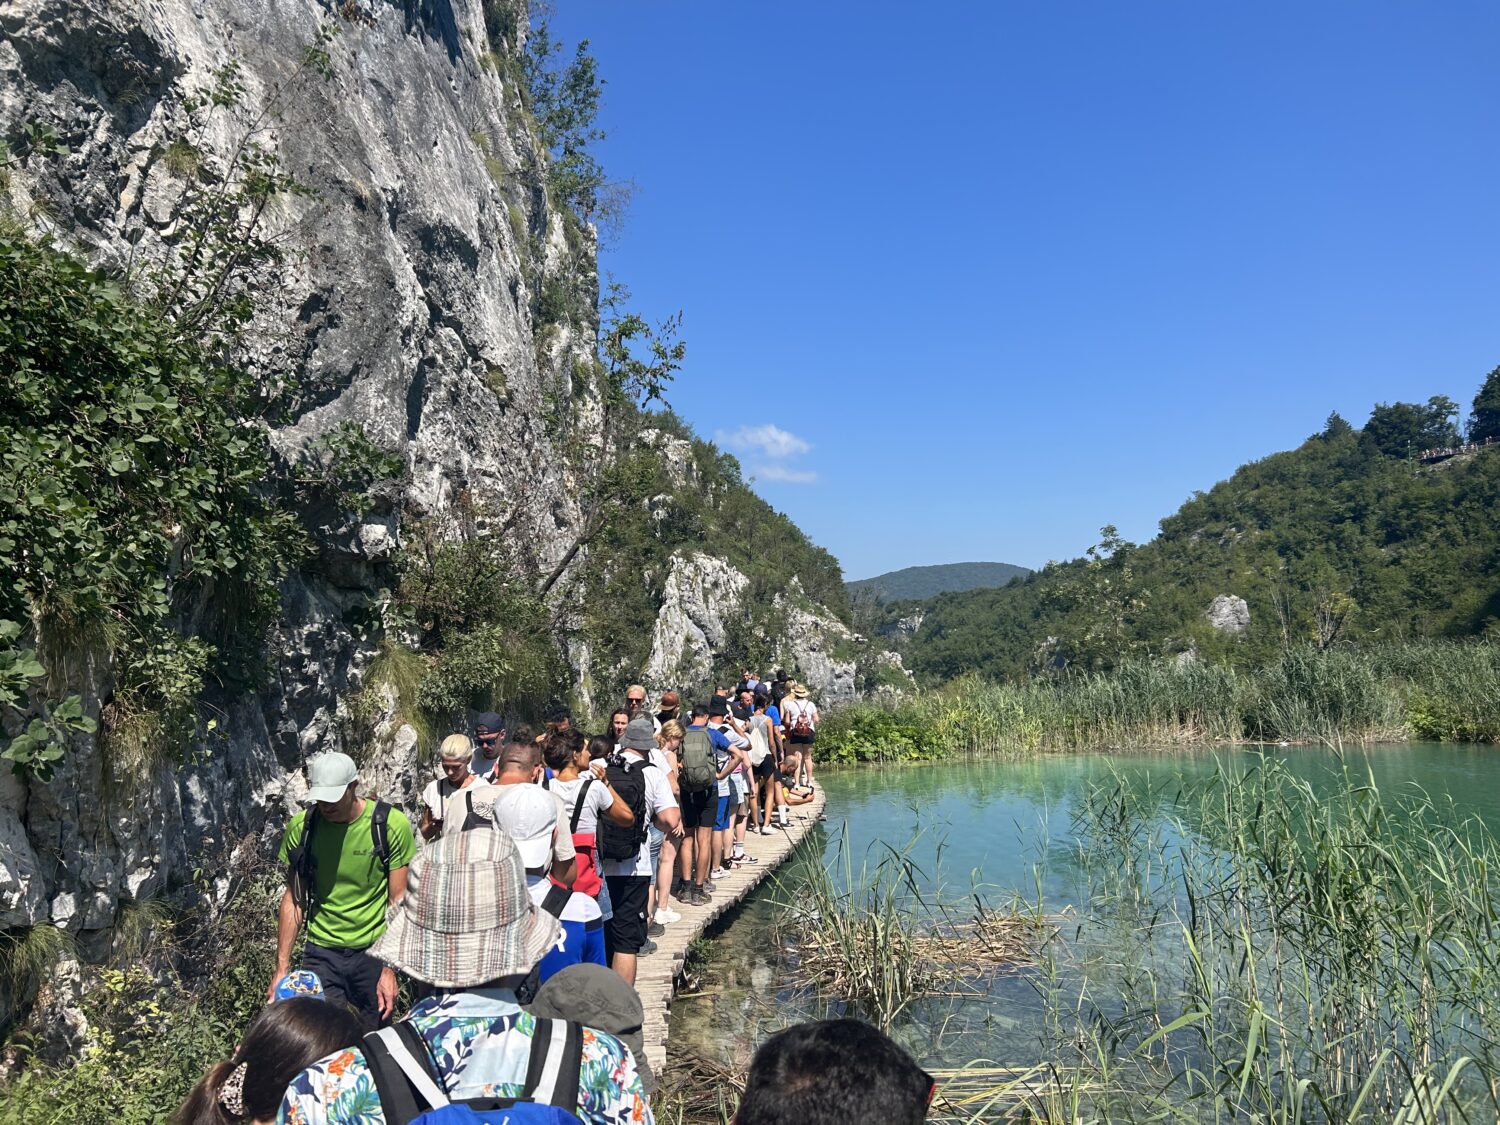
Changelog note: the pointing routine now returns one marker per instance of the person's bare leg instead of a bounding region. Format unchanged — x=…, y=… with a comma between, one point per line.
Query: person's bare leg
x=664, y=871
x=705, y=849
x=624, y=964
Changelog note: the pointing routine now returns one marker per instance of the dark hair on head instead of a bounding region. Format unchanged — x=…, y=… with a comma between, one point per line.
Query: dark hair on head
x=601, y=746
x=560, y=746
x=519, y=757
x=521, y=734
x=700, y=710
x=618, y=711
x=283, y=1041
x=833, y=1072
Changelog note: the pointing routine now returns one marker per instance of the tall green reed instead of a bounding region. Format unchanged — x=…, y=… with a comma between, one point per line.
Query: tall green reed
x=1436, y=690
x=1304, y=958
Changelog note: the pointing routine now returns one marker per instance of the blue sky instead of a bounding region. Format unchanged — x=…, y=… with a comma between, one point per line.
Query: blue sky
x=969, y=280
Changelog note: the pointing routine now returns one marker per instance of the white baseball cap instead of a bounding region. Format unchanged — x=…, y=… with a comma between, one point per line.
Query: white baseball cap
x=528, y=815
x=329, y=775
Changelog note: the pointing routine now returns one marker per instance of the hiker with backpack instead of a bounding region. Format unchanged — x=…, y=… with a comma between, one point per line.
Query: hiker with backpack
x=765, y=756
x=627, y=851
x=704, y=748
x=799, y=721
x=346, y=859
x=469, y=930
x=585, y=798
x=729, y=766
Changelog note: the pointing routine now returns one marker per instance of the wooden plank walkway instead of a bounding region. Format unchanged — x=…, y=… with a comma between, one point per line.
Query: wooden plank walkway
x=657, y=974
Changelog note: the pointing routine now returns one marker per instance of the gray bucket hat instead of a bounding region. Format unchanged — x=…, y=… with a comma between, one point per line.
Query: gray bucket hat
x=598, y=998
x=639, y=735
x=466, y=918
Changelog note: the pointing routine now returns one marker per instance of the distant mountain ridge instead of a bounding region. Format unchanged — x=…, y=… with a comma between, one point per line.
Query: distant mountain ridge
x=916, y=582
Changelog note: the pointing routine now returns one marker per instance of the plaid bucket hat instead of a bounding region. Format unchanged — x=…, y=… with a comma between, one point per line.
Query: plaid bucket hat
x=466, y=918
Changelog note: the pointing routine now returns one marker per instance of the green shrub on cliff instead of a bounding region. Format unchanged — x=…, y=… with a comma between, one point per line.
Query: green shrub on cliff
x=133, y=501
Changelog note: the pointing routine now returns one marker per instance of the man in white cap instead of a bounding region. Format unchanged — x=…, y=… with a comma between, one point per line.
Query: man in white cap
x=467, y=927
x=346, y=860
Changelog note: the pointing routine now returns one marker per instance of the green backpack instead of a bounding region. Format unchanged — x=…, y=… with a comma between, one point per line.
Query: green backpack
x=697, y=771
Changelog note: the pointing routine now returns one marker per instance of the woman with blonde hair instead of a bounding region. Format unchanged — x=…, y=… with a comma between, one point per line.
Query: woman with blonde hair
x=456, y=754
x=668, y=741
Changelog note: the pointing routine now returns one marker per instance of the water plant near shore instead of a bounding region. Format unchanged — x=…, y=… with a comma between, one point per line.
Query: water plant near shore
x=1257, y=951
x=877, y=940
x=1435, y=690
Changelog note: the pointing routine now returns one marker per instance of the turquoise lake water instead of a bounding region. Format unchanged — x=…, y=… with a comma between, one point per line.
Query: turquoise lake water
x=1005, y=830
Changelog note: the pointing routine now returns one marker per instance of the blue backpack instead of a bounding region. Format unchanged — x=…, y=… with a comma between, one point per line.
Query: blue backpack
x=411, y=1093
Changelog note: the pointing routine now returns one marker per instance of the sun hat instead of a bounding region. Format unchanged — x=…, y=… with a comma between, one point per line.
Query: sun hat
x=299, y=982
x=799, y=690
x=466, y=918
x=328, y=777
x=639, y=735
x=598, y=998
x=528, y=815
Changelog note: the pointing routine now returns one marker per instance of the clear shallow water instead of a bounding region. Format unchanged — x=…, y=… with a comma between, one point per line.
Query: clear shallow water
x=1005, y=829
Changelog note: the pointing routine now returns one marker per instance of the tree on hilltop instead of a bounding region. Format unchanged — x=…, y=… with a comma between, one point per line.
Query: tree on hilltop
x=1402, y=429
x=1484, y=422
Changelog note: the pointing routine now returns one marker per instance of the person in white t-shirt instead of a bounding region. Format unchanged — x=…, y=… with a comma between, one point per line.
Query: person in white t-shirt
x=456, y=753
x=585, y=796
x=629, y=880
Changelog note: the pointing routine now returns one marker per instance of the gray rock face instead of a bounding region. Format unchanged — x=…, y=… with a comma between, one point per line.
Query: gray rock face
x=1228, y=613
x=702, y=609
x=702, y=599
x=407, y=284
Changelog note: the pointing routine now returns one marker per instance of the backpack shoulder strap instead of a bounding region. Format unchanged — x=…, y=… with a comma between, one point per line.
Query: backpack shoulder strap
x=583, y=792
x=302, y=864
x=557, y=898
x=403, y=1073
x=380, y=835
x=556, y=1062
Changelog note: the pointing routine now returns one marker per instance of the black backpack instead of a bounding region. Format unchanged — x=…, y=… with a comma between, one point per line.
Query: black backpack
x=302, y=866
x=627, y=777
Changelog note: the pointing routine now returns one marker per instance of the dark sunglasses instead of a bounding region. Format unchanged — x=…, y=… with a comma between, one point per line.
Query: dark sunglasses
x=487, y=738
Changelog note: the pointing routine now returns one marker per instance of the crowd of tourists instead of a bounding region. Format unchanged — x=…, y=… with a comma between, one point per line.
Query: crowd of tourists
x=540, y=867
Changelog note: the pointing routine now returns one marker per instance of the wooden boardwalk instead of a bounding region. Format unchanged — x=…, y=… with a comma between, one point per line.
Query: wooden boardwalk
x=656, y=974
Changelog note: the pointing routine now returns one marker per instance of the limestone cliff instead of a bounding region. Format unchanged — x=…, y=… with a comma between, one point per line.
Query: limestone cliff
x=405, y=303
x=428, y=292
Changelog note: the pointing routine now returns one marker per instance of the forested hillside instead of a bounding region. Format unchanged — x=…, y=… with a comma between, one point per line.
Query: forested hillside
x=925, y=581
x=1350, y=537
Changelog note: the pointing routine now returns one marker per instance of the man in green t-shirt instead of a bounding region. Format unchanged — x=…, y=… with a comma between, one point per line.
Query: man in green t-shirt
x=342, y=880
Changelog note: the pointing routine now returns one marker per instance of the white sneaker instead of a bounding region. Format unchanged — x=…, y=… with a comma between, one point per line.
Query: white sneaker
x=666, y=916
x=764, y=831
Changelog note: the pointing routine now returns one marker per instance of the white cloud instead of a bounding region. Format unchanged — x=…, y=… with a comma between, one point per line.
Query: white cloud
x=769, y=440
x=784, y=473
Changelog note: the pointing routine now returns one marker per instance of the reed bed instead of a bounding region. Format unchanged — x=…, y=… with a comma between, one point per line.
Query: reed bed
x=1429, y=690
x=1296, y=957
x=877, y=940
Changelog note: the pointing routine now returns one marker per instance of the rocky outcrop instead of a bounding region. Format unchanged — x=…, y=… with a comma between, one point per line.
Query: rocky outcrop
x=700, y=605
x=703, y=610
x=1229, y=614
x=817, y=647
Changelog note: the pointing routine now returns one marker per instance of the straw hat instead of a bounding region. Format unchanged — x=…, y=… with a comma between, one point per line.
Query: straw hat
x=466, y=918
x=799, y=690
